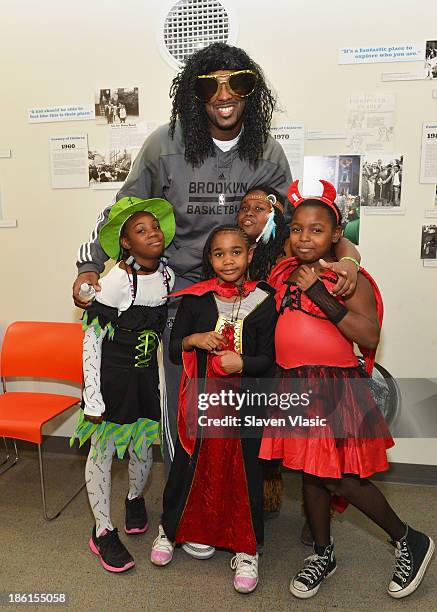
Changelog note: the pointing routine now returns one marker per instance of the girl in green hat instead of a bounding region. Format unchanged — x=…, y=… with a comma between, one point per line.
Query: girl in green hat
x=123, y=368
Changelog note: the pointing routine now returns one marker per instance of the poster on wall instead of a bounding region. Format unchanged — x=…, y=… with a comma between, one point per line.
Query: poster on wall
x=431, y=213
x=108, y=169
x=69, y=161
x=130, y=136
x=428, y=159
x=343, y=171
x=73, y=112
x=370, y=123
x=381, y=182
x=392, y=52
x=116, y=106
x=291, y=136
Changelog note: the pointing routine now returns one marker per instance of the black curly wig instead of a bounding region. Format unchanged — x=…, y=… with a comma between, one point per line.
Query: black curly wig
x=192, y=115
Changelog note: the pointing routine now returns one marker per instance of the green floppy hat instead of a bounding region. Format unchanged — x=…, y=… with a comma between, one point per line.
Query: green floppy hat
x=109, y=234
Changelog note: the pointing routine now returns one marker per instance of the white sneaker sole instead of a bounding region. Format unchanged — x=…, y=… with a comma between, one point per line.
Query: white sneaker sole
x=198, y=553
x=312, y=592
x=418, y=579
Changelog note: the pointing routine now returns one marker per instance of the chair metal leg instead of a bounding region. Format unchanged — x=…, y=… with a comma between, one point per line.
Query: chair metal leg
x=43, y=495
x=9, y=462
x=7, y=452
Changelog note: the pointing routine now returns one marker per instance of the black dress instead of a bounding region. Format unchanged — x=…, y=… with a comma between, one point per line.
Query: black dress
x=129, y=368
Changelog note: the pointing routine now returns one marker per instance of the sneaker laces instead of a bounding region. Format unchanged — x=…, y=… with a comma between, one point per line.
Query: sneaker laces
x=314, y=567
x=161, y=542
x=403, y=561
x=246, y=565
x=114, y=541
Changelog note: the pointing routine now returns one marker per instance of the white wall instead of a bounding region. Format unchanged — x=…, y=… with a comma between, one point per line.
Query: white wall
x=54, y=52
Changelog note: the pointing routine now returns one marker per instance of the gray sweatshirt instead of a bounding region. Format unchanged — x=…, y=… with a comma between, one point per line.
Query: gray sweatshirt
x=202, y=197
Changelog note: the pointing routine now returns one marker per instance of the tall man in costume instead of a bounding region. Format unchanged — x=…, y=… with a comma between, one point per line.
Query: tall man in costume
x=216, y=147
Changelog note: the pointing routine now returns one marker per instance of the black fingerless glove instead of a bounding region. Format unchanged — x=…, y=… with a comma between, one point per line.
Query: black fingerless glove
x=332, y=308
x=287, y=300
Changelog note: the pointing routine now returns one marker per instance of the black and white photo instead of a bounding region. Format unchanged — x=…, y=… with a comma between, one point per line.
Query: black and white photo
x=108, y=167
x=428, y=248
x=381, y=180
x=431, y=59
x=117, y=106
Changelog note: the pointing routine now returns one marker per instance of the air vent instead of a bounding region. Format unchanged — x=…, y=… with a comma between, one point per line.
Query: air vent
x=189, y=25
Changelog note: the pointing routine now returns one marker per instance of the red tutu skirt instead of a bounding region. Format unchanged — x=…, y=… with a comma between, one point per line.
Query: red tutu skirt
x=348, y=434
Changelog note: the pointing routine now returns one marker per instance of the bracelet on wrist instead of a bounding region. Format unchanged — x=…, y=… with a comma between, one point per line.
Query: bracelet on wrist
x=355, y=261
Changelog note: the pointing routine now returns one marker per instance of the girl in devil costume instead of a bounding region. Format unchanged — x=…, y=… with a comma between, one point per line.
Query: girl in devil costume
x=261, y=216
x=314, y=350
x=224, y=329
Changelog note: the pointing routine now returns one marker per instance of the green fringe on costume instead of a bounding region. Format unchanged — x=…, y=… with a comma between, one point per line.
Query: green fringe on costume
x=121, y=434
x=97, y=326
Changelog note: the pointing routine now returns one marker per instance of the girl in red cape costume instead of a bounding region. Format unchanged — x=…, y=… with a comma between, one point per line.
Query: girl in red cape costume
x=224, y=330
x=347, y=439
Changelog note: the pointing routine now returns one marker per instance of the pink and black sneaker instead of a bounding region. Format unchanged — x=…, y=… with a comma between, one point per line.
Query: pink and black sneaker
x=112, y=553
x=136, y=516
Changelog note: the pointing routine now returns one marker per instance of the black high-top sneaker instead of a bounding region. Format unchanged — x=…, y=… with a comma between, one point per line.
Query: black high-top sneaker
x=319, y=566
x=413, y=554
x=136, y=516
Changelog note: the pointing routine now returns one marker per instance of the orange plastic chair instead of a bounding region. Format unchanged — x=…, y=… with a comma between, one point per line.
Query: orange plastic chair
x=40, y=350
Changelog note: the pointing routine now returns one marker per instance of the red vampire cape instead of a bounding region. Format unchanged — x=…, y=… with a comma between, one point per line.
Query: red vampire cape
x=214, y=492
x=187, y=419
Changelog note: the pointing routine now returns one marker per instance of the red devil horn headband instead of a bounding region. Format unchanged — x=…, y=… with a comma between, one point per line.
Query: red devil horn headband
x=329, y=192
x=293, y=193
x=328, y=196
